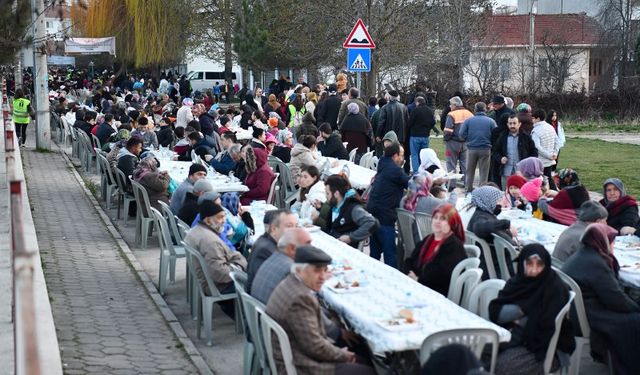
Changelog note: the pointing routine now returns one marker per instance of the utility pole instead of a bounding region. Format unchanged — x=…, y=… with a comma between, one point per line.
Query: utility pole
x=40, y=76
x=532, y=43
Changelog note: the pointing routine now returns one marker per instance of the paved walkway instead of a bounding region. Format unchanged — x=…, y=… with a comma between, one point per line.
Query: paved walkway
x=630, y=138
x=105, y=321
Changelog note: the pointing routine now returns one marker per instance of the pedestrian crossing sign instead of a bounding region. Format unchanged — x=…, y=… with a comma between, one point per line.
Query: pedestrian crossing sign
x=359, y=59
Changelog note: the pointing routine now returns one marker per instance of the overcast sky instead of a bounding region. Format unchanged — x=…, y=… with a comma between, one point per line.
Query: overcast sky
x=507, y=2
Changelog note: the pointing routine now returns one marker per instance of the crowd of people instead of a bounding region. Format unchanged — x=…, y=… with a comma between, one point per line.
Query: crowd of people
x=515, y=153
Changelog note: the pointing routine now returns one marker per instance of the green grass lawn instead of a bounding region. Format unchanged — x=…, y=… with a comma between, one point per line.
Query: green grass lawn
x=594, y=160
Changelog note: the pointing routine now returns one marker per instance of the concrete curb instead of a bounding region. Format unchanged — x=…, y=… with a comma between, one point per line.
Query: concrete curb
x=167, y=314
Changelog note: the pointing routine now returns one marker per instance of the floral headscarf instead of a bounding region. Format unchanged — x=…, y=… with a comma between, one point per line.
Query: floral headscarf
x=486, y=198
x=419, y=186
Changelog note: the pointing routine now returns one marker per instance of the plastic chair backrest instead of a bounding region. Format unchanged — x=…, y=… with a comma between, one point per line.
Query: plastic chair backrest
x=464, y=285
x=104, y=166
x=96, y=141
x=121, y=180
x=196, y=257
x=406, y=220
x=253, y=309
x=270, y=326
x=473, y=338
x=503, y=247
x=171, y=220
x=286, y=179
x=578, y=303
x=272, y=189
x=473, y=251
x=352, y=155
x=459, y=269
x=423, y=223
x=483, y=294
x=553, y=343
x=183, y=228
x=365, y=160
x=472, y=239
x=373, y=164
x=142, y=199
x=164, y=236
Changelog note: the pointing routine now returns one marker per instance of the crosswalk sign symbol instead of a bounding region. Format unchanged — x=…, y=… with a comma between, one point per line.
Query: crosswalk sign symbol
x=359, y=60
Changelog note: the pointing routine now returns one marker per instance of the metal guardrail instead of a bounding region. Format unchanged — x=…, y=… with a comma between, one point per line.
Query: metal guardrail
x=23, y=302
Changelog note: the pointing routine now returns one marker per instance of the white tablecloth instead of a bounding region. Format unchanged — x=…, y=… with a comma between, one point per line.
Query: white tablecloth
x=626, y=248
x=179, y=170
x=384, y=293
x=359, y=177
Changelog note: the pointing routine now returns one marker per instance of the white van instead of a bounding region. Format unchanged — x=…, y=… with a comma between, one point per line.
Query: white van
x=206, y=80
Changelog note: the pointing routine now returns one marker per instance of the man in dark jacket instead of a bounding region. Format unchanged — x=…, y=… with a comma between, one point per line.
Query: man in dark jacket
x=386, y=193
x=198, y=144
x=207, y=122
x=128, y=156
x=165, y=134
x=224, y=162
x=421, y=121
x=331, y=144
x=105, y=129
x=275, y=222
x=345, y=219
x=329, y=108
x=86, y=123
x=394, y=116
x=510, y=148
x=500, y=114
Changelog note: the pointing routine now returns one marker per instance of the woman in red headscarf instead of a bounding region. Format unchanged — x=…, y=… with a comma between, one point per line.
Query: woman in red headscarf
x=435, y=257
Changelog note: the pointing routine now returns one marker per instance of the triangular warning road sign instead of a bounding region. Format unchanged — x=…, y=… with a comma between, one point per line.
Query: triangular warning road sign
x=359, y=37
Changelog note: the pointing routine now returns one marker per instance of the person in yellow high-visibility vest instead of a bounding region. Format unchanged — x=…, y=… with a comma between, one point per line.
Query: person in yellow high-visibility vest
x=22, y=115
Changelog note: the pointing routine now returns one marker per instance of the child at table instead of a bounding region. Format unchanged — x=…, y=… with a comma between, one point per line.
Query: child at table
x=513, y=197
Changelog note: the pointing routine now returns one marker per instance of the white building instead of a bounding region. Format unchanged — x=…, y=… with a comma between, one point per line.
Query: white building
x=590, y=7
x=566, y=52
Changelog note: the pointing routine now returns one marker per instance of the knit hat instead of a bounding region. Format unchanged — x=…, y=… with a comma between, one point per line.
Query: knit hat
x=208, y=209
x=531, y=190
x=333, y=88
x=486, y=197
x=270, y=139
x=523, y=108
x=516, y=180
x=195, y=168
x=390, y=136
x=202, y=185
x=187, y=101
x=273, y=122
x=208, y=196
x=590, y=211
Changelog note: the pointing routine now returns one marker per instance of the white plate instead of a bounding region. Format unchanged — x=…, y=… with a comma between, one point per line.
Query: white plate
x=332, y=287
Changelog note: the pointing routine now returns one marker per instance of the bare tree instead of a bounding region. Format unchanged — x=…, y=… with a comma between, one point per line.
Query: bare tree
x=557, y=63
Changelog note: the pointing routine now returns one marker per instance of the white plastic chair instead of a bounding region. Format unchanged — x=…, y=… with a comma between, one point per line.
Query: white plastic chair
x=365, y=160
x=124, y=197
x=406, y=220
x=473, y=251
x=581, y=313
x=253, y=309
x=423, y=223
x=464, y=285
x=144, y=218
x=269, y=327
x=168, y=252
x=176, y=234
x=108, y=180
x=483, y=294
x=553, y=343
x=273, y=189
x=503, y=247
x=456, y=285
x=205, y=314
x=352, y=155
x=473, y=338
x=472, y=239
x=373, y=164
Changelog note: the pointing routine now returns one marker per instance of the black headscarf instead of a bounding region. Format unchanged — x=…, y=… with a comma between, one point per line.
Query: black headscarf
x=540, y=298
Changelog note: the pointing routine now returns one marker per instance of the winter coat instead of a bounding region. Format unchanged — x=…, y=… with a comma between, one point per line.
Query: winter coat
x=421, y=121
x=328, y=110
x=355, y=130
x=387, y=191
x=301, y=156
x=437, y=273
x=393, y=116
x=259, y=181
x=333, y=147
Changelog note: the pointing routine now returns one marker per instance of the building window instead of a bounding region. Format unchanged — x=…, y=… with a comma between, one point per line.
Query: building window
x=48, y=25
x=498, y=68
x=595, y=68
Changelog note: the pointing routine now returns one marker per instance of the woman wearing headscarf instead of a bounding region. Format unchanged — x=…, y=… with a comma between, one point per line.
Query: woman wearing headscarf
x=355, y=130
x=250, y=100
x=259, y=175
x=613, y=317
x=308, y=126
x=272, y=104
x=622, y=208
x=530, y=168
x=429, y=161
x=435, y=257
x=566, y=203
x=419, y=197
x=484, y=221
x=528, y=306
x=156, y=183
x=282, y=149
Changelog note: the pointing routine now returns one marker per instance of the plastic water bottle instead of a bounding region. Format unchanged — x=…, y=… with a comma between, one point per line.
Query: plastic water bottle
x=345, y=170
x=529, y=210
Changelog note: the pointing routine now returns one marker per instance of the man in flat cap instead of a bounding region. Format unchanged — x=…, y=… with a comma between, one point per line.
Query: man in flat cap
x=295, y=307
x=205, y=238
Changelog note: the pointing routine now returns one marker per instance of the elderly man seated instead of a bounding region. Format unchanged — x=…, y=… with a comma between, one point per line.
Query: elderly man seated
x=196, y=172
x=205, y=238
x=278, y=265
x=569, y=241
x=295, y=307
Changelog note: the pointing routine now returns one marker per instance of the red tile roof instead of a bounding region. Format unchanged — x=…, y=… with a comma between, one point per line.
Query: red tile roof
x=504, y=30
